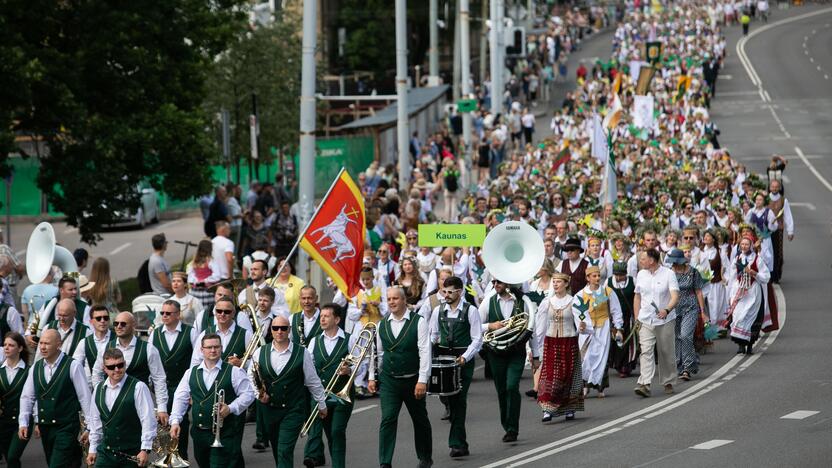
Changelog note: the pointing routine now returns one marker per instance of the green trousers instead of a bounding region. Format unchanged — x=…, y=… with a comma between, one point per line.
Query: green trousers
x=507, y=371
x=229, y=455
x=281, y=428
x=393, y=393
x=259, y=423
x=60, y=444
x=335, y=428
x=107, y=459
x=11, y=447
x=458, y=405
x=184, y=426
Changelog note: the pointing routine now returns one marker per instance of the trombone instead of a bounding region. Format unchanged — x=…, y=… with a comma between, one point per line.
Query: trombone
x=363, y=345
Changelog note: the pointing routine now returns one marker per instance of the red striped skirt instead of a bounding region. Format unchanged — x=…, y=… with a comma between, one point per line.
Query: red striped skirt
x=560, y=388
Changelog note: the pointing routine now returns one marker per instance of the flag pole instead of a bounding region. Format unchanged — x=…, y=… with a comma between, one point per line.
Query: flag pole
x=306, y=228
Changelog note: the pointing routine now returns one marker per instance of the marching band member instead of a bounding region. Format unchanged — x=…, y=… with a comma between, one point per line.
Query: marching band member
x=72, y=332
x=306, y=324
x=328, y=349
x=560, y=385
x=145, y=363
x=507, y=368
x=265, y=313
x=121, y=422
x=287, y=378
x=67, y=289
x=251, y=294
x=13, y=373
x=207, y=317
x=87, y=352
x=455, y=330
x=59, y=387
x=201, y=385
x=595, y=306
x=404, y=355
x=175, y=341
x=234, y=337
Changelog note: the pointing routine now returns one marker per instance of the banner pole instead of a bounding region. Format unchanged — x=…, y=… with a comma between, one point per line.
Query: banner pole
x=308, y=223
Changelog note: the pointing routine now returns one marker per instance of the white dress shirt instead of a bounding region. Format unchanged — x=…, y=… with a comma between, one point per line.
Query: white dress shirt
x=239, y=381
x=80, y=353
x=144, y=409
x=11, y=372
x=66, y=338
x=308, y=323
x=423, y=343
x=279, y=359
x=655, y=291
x=79, y=381
x=474, y=324
x=331, y=341
x=170, y=336
x=241, y=320
x=506, y=307
x=788, y=220
x=225, y=339
x=154, y=363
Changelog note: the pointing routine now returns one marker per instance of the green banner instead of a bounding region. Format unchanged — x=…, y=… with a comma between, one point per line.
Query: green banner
x=466, y=105
x=353, y=153
x=451, y=235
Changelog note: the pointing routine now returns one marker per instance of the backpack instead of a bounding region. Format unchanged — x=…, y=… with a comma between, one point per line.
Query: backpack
x=143, y=278
x=451, y=182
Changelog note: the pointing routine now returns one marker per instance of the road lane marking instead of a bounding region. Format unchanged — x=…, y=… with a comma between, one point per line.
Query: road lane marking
x=812, y=168
x=802, y=414
x=711, y=444
x=69, y=230
x=812, y=60
x=363, y=408
x=809, y=206
x=169, y=224
x=120, y=248
x=779, y=123
x=699, y=389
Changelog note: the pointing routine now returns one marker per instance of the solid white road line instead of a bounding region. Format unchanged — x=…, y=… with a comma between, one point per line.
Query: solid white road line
x=812, y=168
x=169, y=224
x=120, y=248
x=711, y=444
x=809, y=206
x=802, y=414
x=363, y=408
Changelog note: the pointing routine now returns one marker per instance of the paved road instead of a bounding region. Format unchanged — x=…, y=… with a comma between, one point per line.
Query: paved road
x=731, y=414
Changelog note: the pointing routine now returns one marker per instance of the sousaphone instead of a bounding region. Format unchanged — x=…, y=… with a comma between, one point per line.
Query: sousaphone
x=42, y=253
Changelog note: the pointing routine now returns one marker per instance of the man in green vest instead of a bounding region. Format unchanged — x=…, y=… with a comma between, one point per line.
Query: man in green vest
x=144, y=362
x=67, y=289
x=122, y=423
x=507, y=366
x=175, y=342
x=306, y=325
x=455, y=330
x=205, y=319
x=72, y=331
x=233, y=337
x=201, y=385
x=88, y=350
x=403, y=347
x=328, y=350
x=285, y=375
x=265, y=313
x=58, y=385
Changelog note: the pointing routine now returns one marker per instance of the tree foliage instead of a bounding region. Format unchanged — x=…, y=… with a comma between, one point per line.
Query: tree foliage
x=265, y=62
x=115, y=89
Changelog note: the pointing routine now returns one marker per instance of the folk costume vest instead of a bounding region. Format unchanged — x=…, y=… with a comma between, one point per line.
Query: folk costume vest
x=10, y=395
x=202, y=399
x=599, y=306
x=286, y=389
x=373, y=314
x=90, y=350
x=138, y=367
x=454, y=333
x=577, y=278
x=401, y=355
x=121, y=425
x=57, y=401
x=327, y=364
x=175, y=360
x=300, y=335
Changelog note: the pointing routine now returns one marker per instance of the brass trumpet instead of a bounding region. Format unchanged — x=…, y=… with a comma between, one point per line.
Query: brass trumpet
x=216, y=427
x=363, y=345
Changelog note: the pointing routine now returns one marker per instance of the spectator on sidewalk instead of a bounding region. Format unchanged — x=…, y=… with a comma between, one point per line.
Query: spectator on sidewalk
x=158, y=268
x=223, y=251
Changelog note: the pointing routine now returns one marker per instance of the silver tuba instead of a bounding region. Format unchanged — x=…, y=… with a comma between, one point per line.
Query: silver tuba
x=513, y=253
x=42, y=253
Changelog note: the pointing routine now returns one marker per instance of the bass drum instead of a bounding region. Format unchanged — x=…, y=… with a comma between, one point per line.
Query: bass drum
x=445, y=377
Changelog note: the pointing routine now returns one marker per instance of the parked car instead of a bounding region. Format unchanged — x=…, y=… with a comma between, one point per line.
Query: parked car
x=147, y=213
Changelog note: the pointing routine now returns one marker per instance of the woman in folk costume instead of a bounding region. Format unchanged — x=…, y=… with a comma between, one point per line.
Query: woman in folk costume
x=749, y=276
x=765, y=220
x=595, y=305
x=560, y=384
x=624, y=358
x=541, y=286
x=714, y=290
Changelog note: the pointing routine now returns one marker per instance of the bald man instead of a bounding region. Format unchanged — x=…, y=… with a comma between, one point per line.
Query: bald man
x=72, y=332
x=143, y=362
x=288, y=376
x=58, y=384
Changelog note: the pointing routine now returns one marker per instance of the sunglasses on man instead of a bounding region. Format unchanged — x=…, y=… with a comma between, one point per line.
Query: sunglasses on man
x=101, y=318
x=224, y=311
x=118, y=365
x=280, y=328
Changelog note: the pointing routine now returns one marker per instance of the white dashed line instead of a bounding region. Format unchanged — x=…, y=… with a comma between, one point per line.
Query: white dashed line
x=365, y=408
x=805, y=52
x=810, y=58
x=809, y=206
x=818, y=67
x=802, y=414
x=711, y=444
x=120, y=248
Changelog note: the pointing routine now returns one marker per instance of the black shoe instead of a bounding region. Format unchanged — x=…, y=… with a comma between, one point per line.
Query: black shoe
x=510, y=437
x=547, y=416
x=531, y=393
x=749, y=350
x=459, y=452
x=424, y=463
x=385, y=465
x=260, y=446
x=741, y=349
x=309, y=463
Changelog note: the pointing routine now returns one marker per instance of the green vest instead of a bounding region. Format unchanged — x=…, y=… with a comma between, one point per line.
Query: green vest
x=454, y=333
x=57, y=401
x=401, y=354
x=494, y=312
x=207, y=315
x=203, y=400
x=10, y=395
x=80, y=307
x=77, y=337
x=4, y=319
x=299, y=335
x=90, y=350
x=286, y=389
x=175, y=360
x=121, y=426
x=327, y=364
x=138, y=367
x=237, y=343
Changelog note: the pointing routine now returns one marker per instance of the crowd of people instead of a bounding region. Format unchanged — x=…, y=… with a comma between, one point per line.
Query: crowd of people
x=686, y=254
